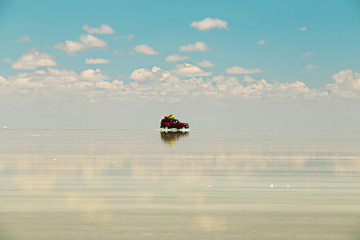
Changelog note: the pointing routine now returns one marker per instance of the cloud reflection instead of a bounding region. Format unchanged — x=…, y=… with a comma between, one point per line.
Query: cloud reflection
x=87, y=175
x=210, y=223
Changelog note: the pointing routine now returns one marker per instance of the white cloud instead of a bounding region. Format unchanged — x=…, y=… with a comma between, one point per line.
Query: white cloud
x=96, y=61
x=71, y=47
x=186, y=82
x=24, y=38
x=143, y=74
x=86, y=42
x=145, y=49
x=240, y=70
x=56, y=85
x=205, y=64
x=175, y=58
x=23, y=82
x=226, y=83
x=346, y=84
x=262, y=89
x=56, y=76
x=92, y=41
x=189, y=70
x=303, y=28
x=32, y=60
x=116, y=84
x=52, y=78
x=248, y=79
x=103, y=29
x=3, y=80
x=311, y=66
x=209, y=23
x=198, y=46
x=231, y=88
x=93, y=75
x=307, y=54
x=261, y=42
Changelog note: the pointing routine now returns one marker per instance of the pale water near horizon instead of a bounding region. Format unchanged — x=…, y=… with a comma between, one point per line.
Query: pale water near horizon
x=221, y=184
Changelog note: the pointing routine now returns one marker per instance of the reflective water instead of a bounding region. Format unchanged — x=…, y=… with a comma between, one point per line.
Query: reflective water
x=223, y=184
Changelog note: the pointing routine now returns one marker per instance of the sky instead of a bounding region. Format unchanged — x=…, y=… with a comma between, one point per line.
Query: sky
x=213, y=64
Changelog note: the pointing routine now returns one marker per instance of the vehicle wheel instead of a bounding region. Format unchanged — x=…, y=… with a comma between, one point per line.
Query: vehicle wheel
x=183, y=128
x=166, y=128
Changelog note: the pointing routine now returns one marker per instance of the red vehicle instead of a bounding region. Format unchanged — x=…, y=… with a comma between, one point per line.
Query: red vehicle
x=170, y=122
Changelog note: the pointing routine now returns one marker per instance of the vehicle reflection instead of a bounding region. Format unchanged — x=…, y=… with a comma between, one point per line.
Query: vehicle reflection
x=170, y=137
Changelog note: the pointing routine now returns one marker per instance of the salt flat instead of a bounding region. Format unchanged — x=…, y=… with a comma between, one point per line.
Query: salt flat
x=203, y=184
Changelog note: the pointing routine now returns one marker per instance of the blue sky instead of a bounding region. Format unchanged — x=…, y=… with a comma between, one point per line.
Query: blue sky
x=289, y=43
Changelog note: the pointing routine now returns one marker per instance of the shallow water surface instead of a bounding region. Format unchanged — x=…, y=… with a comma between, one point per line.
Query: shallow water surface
x=221, y=184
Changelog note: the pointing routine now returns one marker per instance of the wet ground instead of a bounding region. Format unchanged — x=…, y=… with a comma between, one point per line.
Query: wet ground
x=221, y=184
